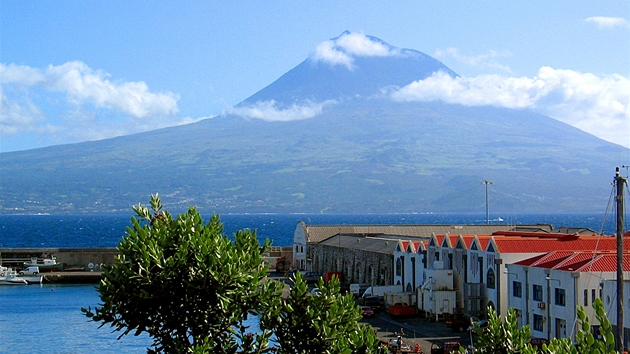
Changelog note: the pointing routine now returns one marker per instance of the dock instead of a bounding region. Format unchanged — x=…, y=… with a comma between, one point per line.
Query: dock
x=72, y=277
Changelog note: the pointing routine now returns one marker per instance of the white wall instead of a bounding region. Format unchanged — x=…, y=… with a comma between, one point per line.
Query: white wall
x=299, y=247
x=559, y=320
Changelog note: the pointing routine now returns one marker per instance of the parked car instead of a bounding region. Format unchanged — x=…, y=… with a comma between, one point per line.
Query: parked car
x=482, y=325
x=459, y=323
x=445, y=348
x=310, y=277
x=371, y=301
x=32, y=270
x=538, y=342
x=366, y=311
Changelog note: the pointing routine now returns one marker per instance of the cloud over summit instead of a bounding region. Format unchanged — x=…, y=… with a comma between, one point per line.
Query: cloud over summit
x=343, y=49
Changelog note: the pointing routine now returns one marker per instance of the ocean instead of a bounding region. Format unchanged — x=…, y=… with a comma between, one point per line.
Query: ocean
x=106, y=230
x=48, y=317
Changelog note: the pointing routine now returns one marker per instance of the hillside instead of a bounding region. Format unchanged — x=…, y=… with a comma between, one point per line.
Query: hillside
x=363, y=153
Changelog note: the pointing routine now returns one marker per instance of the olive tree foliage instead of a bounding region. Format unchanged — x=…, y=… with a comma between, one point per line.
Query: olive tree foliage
x=186, y=284
x=192, y=290
x=586, y=341
x=325, y=322
x=504, y=336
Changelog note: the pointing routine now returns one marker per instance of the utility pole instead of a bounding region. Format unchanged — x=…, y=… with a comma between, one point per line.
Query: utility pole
x=619, y=183
x=486, y=182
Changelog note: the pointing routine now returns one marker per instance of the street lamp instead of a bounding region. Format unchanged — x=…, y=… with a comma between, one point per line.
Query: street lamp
x=549, y=279
x=507, y=275
x=486, y=182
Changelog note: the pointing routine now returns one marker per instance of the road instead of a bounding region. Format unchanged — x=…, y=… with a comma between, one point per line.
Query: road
x=416, y=330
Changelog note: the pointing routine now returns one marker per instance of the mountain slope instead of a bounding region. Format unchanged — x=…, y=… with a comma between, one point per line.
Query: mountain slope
x=319, y=81
x=365, y=153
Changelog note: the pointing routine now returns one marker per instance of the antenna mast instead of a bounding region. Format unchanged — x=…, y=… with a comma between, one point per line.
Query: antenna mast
x=620, y=182
x=486, y=182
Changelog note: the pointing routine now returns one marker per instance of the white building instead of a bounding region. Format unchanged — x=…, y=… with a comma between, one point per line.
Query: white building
x=409, y=264
x=545, y=290
x=610, y=301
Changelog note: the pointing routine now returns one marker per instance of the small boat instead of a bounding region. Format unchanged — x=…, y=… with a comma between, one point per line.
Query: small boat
x=45, y=265
x=9, y=277
x=32, y=279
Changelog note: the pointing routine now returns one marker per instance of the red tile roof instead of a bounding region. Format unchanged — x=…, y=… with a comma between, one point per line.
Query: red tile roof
x=578, y=261
x=572, y=243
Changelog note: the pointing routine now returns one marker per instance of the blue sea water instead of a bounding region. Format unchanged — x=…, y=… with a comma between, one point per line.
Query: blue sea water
x=48, y=317
x=107, y=230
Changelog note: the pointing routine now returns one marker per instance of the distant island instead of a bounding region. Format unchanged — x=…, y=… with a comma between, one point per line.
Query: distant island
x=328, y=139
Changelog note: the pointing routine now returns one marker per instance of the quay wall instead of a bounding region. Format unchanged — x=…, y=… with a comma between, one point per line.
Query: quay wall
x=87, y=258
x=91, y=259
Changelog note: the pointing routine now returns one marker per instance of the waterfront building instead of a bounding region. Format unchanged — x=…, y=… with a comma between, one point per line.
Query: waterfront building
x=609, y=297
x=545, y=290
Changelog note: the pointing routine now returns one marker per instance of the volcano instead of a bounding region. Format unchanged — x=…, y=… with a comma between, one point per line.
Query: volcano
x=328, y=137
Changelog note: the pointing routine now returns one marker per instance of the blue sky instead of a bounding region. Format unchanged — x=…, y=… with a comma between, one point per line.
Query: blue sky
x=82, y=70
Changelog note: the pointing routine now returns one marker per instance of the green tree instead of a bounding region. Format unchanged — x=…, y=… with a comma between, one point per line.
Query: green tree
x=586, y=341
x=502, y=335
x=185, y=283
x=325, y=322
x=192, y=289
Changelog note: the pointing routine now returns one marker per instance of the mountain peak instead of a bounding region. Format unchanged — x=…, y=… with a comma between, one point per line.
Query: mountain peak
x=349, y=66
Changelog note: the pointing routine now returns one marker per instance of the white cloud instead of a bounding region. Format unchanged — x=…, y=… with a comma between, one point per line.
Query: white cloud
x=77, y=103
x=598, y=105
x=15, y=115
x=268, y=111
x=487, y=60
x=343, y=50
x=607, y=22
x=326, y=52
x=71, y=103
x=84, y=85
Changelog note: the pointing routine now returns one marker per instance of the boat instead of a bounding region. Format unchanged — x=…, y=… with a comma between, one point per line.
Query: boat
x=9, y=277
x=45, y=265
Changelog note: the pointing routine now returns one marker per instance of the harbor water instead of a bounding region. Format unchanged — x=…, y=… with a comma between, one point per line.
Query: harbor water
x=48, y=317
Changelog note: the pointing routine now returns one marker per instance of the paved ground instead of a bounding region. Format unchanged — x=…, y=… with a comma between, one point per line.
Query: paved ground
x=416, y=330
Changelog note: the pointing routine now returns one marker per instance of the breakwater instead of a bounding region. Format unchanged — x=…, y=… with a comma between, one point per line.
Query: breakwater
x=72, y=259
x=84, y=265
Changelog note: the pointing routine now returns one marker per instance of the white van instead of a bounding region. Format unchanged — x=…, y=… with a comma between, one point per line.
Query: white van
x=32, y=270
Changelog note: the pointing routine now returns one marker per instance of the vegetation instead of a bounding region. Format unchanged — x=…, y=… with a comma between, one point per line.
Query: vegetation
x=504, y=336
x=326, y=322
x=344, y=161
x=192, y=290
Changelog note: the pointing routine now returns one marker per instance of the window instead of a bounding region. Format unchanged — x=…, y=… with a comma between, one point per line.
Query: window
x=537, y=293
x=538, y=323
x=490, y=279
x=592, y=296
x=585, y=297
x=517, y=289
x=399, y=266
x=560, y=297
